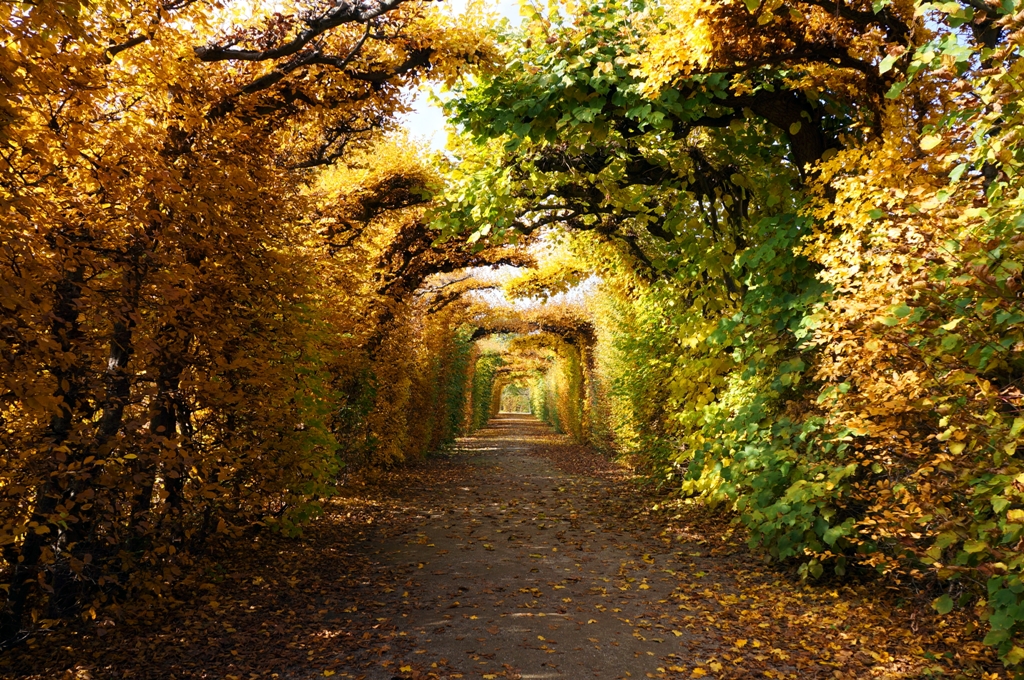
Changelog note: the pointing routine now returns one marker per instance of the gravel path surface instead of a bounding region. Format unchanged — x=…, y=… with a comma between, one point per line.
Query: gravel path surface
x=520, y=573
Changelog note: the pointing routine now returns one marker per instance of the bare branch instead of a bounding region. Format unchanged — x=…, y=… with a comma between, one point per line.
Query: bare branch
x=115, y=50
x=434, y=289
x=341, y=13
x=416, y=59
x=312, y=57
x=138, y=38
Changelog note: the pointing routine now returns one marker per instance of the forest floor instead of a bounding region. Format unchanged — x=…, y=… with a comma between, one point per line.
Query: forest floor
x=521, y=555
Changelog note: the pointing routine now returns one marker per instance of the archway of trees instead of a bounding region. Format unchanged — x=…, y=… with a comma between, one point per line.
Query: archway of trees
x=516, y=398
x=768, y=252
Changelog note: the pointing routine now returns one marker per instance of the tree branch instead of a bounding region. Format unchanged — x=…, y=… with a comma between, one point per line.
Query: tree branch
x=344, y=12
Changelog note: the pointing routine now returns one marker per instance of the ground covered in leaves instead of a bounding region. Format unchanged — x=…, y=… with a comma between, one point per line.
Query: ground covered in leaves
x=521, y=555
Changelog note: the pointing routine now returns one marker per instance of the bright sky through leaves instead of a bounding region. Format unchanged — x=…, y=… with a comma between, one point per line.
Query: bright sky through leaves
x=426, y=121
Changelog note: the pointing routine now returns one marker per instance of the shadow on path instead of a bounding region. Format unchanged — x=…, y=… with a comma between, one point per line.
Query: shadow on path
x=521, y=555
x=522, y=575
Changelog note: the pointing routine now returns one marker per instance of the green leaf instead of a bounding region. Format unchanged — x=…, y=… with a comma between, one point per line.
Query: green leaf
x=943, y=605
x=833, y=534
x=1014, y=656
x=973, y=546
x=995, y=637
x=958, y=172
x=897, y=89
x=950, y=341
x=888, y=63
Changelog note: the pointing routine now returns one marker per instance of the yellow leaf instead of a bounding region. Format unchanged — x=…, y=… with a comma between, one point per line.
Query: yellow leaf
x=1014, y=656
x=405, y=669
x=929, y=142
x=698, y=672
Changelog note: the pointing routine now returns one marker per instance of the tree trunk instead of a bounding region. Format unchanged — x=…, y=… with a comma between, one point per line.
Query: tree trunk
x=67, y=372
x=164, y=416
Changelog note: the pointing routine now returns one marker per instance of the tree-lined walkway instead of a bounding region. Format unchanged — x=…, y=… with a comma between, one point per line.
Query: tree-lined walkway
x=522, y=555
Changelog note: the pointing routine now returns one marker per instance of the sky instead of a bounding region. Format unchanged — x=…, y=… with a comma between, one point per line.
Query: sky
x=426, y=121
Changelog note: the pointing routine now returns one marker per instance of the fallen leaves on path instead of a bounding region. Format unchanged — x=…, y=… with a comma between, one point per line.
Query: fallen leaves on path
x=272, y=607
x=739, y=617
x=519, y=552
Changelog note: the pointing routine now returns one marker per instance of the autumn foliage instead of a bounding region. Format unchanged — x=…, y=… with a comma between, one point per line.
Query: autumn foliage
x=769, y=252
x=805, y=219
x=206, y=325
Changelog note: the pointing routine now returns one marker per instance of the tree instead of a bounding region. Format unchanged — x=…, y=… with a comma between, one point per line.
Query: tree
x=809, y=259
x=166, y=374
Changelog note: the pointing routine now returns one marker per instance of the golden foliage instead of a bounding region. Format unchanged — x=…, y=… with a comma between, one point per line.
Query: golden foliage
x=200, y=329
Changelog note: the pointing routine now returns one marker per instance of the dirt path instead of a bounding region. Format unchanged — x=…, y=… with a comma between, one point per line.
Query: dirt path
x=520, y=573
x=549, y=563
x=521, y=555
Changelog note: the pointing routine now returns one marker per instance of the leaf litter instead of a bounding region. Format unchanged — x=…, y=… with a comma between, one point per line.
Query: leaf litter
x=519, y=553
